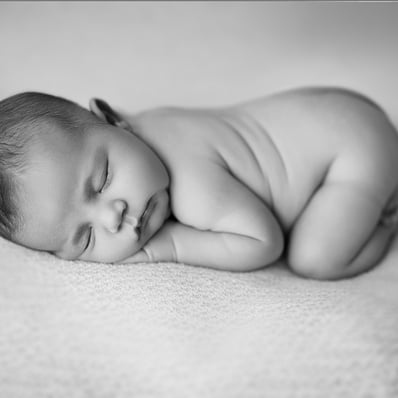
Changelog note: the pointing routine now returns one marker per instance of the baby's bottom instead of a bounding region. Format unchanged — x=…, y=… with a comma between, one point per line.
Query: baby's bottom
x=342, y=232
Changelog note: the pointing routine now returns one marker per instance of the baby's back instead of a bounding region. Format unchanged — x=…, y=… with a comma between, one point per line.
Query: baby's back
x=281, y=146
x=310, y=129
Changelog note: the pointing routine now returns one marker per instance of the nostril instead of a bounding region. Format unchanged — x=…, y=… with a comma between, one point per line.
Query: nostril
x=121, y=209
x=124, y=211
x=113, y=230
x=119, y=214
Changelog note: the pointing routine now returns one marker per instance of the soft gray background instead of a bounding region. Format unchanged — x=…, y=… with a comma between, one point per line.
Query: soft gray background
x=138, y=55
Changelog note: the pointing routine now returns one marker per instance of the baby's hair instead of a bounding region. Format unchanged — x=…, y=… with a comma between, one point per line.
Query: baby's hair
x=22, y=118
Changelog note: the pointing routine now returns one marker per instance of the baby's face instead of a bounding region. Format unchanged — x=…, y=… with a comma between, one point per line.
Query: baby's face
x=83, y=196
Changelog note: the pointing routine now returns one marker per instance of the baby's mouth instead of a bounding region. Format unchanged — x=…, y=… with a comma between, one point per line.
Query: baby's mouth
x=146, y=215
x=139, y=227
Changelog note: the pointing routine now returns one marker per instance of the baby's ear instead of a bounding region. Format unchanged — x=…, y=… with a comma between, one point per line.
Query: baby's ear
x=102, y=109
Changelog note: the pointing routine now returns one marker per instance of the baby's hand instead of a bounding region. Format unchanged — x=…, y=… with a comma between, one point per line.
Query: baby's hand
x=139, y=257
x=159, y=248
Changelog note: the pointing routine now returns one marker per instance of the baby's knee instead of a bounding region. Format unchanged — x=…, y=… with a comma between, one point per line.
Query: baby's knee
x=316, y=262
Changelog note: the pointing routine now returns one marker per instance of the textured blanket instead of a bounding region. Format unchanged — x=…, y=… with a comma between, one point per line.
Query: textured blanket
x=74, y=330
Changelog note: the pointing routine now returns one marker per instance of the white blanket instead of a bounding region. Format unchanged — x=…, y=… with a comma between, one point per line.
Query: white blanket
x=74, y=329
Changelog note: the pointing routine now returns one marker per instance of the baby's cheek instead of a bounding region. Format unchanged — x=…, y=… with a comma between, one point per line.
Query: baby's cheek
x=110, y=248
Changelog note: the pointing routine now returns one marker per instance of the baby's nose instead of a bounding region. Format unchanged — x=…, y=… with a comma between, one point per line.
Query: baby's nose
x=115, y=216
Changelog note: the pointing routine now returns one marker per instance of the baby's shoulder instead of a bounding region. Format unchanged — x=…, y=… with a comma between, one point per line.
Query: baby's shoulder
x=179, y=132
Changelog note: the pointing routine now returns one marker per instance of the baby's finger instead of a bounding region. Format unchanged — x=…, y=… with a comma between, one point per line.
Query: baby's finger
x=139, y=257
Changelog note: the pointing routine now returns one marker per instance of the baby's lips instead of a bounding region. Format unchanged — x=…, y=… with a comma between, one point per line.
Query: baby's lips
x=133, y=221
x=135, y=224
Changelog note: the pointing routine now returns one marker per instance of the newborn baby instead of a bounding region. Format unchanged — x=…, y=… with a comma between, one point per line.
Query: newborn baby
x=308, y=173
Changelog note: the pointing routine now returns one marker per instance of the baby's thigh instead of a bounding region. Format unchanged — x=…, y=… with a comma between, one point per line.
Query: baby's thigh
x=343, y=214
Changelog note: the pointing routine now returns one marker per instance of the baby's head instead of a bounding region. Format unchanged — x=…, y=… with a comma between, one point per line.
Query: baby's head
x=75, y=185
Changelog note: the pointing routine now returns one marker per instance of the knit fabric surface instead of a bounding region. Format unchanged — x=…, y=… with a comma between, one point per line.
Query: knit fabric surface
x=75, y=329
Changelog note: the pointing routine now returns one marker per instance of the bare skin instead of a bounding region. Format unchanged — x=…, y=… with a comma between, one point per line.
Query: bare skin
x=309, y=174
x=312, y=169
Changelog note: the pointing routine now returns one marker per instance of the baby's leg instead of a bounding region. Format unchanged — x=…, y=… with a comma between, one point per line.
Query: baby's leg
x=339, y=234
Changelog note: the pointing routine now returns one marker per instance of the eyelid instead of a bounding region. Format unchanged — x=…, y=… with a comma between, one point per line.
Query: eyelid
x=89, y=239
x=107, y=178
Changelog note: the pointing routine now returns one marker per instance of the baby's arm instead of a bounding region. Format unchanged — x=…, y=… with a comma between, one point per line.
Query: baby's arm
x=185, y=244
x=223, y=225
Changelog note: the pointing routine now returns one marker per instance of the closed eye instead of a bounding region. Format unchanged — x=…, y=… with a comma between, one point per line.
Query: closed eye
x=89, y=238
x=106, y=178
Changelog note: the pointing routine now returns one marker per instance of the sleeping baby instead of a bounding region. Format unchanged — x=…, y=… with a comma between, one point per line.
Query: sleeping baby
x=306, y=174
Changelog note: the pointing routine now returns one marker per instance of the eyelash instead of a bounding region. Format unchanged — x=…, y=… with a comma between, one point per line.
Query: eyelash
x=90, y=236
x=107, y=179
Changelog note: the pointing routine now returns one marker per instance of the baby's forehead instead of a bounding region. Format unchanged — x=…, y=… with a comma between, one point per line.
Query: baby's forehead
x=54, y=139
